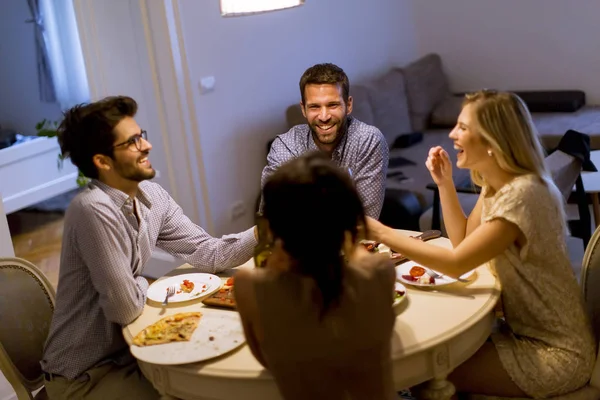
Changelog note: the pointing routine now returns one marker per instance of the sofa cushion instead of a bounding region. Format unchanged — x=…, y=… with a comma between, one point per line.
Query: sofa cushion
x=361, y=106
x=426, y=87
x=388, y=100
x=446, y=113
x=293, y=115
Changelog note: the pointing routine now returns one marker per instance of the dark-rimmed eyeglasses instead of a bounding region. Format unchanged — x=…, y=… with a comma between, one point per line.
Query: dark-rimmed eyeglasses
x=134, y=140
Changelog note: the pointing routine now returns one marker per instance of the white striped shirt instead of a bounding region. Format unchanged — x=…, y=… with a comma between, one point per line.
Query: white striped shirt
x=104, y=252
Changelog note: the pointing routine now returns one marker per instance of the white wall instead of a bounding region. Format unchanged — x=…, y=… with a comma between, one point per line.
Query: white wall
x=514, y=44
x=20, y=107
x=257, y=62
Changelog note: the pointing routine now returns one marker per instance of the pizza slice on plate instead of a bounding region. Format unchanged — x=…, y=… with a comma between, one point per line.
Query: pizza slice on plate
x=223, y=297
x=174, y=328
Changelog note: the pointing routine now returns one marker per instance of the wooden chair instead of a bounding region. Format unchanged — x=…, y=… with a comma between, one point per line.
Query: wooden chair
x=566, y=173
x=26, y=309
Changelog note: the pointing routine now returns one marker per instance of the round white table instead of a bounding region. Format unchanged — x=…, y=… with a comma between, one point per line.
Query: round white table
x=435, y=331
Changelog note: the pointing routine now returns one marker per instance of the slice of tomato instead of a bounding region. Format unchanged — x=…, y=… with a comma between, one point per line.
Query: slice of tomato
x=229, y=281
x=417, y=271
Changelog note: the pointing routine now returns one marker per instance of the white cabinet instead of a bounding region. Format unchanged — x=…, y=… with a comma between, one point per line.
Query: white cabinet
x=29, y=173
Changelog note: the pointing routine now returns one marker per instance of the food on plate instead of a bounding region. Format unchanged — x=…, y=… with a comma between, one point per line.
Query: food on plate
x=372, y=247
x=423, y=279
x=186, y=286
x=417, y=271
x=174, y=328
x=223, y=297
x=418, y=274
x=398, y=294
x=397, y=256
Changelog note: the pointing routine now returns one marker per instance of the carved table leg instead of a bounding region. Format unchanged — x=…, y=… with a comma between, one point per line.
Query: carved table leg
x=437, y=389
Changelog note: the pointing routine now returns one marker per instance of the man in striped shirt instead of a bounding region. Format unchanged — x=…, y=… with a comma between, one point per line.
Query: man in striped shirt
x=110, y=231
x=351, y=144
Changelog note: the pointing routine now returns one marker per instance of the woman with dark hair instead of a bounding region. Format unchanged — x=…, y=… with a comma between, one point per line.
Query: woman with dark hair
x=319, y=315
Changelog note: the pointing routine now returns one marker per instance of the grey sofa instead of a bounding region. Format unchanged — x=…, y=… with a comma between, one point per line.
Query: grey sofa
x=415, y=102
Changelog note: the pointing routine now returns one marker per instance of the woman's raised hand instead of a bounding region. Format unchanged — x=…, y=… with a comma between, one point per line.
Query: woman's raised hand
x=439, y=165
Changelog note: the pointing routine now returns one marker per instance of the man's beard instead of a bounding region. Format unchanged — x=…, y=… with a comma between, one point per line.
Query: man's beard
x=139, y=176
x=339, y=134
x=135, y=174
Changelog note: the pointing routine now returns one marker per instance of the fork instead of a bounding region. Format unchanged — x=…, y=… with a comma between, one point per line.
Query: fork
x=435, y=275
x=170, y=292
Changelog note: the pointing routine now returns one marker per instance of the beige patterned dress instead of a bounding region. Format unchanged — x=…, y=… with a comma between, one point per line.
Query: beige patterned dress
x=546, y=344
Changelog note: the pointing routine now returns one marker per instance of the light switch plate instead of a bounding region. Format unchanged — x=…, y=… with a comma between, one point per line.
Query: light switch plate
x=207, y=84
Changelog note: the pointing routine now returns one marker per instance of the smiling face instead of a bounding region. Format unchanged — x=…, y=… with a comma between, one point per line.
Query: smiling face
x=129, y=162
x=472, y=151
x=326, y=112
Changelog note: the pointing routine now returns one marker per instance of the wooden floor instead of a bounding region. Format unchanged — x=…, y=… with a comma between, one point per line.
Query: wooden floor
x=37, y=237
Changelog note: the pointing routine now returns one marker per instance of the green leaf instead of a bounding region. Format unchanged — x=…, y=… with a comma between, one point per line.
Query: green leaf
x=40, y=125
x=82, y=180
x=47, y=132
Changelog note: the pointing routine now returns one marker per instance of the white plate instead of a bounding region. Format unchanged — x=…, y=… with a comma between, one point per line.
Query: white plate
x=404, y=269
x=158, y=290
x=224, y=327
x=401, y=287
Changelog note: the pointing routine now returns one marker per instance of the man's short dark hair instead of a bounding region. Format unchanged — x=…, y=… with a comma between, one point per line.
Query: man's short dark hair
x=87, y=130
x=325, y=74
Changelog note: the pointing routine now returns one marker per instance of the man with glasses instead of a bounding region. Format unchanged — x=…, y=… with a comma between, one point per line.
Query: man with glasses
x=110, y=230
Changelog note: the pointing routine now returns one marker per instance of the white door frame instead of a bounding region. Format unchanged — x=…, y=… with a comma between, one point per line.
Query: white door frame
x=159, y=75
x=170, y=93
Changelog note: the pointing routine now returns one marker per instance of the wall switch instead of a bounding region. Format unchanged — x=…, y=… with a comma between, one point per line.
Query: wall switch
x=207, y=84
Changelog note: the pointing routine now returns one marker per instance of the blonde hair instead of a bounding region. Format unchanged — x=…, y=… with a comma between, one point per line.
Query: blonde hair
x=505, y=124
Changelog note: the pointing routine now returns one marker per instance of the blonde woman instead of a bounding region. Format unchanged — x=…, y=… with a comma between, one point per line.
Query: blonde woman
x=546, y=346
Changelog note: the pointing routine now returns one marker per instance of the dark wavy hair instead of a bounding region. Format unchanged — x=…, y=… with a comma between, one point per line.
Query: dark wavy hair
x=87, y=130
x=310, y=204
x=327, y=73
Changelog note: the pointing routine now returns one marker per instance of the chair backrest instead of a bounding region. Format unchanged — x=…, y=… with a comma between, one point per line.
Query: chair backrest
x=26, y=308
x=565, y=170
x=590, y=281
x=566, y=173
